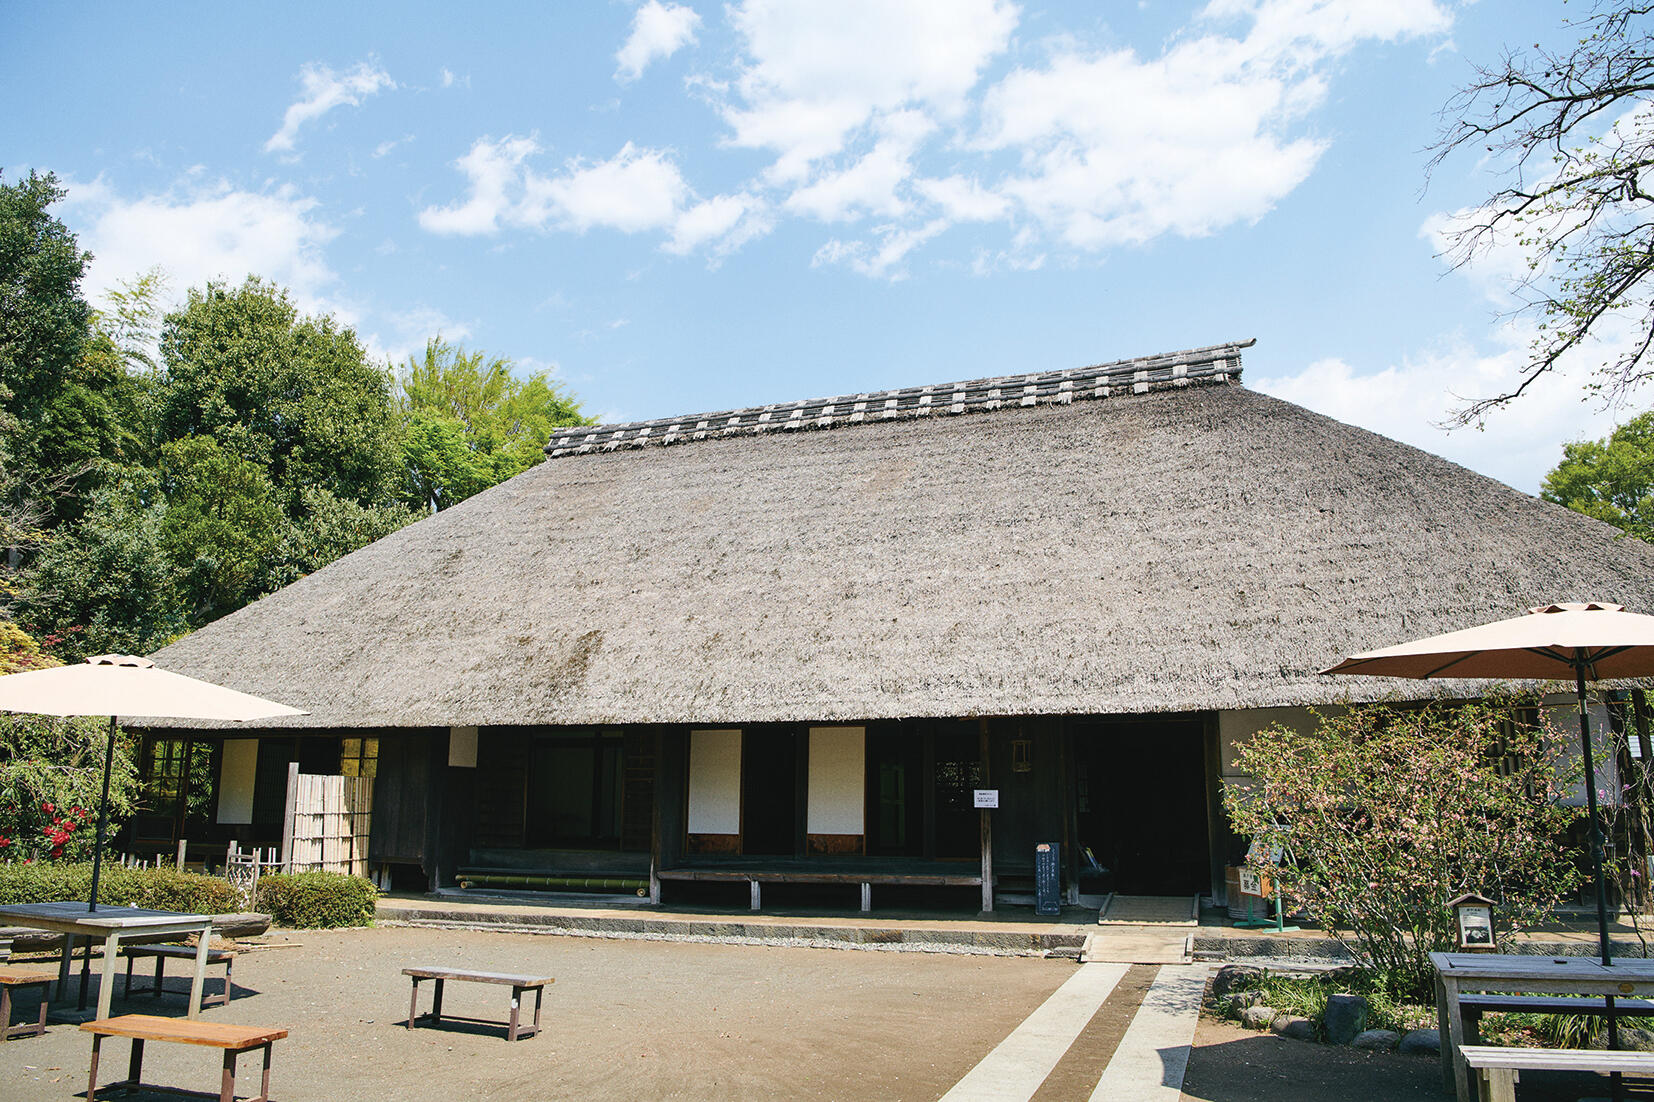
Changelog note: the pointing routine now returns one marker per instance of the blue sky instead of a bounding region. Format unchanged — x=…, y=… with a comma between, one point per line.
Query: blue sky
x=692, y=206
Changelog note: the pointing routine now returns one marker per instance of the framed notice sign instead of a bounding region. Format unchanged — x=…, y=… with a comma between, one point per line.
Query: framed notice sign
x=1474, y=917
x=1250, y=882
x=987, y=797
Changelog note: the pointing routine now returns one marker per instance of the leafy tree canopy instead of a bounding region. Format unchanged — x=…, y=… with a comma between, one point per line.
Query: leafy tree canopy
x=296, y=395
x=104, y=583
x=1611, y=479
x=1575, y=134
x=220, y=526
x=470, y=422
x=68, y=402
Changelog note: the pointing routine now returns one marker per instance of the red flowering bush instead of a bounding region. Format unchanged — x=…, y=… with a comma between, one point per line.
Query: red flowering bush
x=51, y=772
x=1384, y=814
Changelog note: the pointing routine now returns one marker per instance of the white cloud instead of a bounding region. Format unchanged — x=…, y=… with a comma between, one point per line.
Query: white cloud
x=1119, y=149
x=658, y=31
x=493, y=170
x=884, y=260
x=886, y=119
x=1409, y=401
x=816, y=73
x=635, y=190
x=961, y=199
x=871, y=184
x=724, y=222
x=323, y=91
x=385, y=147
x=198, y=233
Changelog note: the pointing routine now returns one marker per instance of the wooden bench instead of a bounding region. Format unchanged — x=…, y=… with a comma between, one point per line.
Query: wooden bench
x=517, y=983
x=552, y=880
x=865, y=878
x=232, y=1039
x=18, y=978
x=1499, y=1067
x=164, y=953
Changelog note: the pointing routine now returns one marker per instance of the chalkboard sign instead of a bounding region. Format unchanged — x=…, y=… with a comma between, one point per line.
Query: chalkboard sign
x=1047, y=879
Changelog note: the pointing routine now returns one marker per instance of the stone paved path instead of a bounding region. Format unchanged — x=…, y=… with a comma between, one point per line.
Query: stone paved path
x=1147, y=1063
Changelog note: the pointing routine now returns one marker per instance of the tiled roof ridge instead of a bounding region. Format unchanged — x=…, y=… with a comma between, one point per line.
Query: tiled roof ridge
x=1219, y=363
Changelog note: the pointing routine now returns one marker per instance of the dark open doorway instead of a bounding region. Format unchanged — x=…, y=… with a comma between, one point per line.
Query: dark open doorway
x=1140, y=798
x=769, y=792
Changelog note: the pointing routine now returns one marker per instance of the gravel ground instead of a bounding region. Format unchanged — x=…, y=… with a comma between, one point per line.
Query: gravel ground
x=625, y=1020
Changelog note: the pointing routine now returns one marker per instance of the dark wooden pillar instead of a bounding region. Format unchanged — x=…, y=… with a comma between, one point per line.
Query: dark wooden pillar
x=987, y=823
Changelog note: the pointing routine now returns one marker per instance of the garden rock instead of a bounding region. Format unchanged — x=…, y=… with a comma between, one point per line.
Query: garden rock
x=1257, y=1017
x=1633, y=1039
x=1235, y=977
x=1237, y=1001
x=1345, y=1017
x=1376, y=1040
x=1298, y=1029
x=1421, y=1042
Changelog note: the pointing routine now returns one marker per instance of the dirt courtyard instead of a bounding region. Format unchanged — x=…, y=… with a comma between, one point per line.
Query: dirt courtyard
x=624, y=1020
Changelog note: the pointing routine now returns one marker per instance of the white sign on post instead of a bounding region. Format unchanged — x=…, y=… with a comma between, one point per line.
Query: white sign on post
x=987, y=797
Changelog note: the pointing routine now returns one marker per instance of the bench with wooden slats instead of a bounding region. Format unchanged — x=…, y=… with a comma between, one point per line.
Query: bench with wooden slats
x=21, y=979
x=1474, y=1005
x=1500, y=1067
x=518, y=984
x=232, y=1039
x=164, y=953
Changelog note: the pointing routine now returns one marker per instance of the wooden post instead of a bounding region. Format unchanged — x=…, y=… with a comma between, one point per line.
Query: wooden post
x=987, y=824
x=182, y=845
x=656, y=788
x=287, y=818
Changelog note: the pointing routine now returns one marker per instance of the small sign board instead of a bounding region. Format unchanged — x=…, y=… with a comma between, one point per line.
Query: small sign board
x=1251, y=883
x=1474, y=915
x=987, y=797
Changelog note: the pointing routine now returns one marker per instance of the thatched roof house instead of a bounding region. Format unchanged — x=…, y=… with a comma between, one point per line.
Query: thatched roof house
x=1140, y=539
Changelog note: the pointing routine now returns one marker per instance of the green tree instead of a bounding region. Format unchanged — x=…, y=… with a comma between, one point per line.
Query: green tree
x=296, y=395
x=1573, y=133
x=66, y=400
x=1610, y=479
x=471, y=422
x=220, y=525
x=330, y=528
x=105, y=583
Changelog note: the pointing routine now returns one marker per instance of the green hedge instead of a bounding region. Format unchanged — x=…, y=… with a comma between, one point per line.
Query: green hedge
x=317, y=899
x=162, y=889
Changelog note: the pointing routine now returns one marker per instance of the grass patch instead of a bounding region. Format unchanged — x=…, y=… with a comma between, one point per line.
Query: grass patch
x=1305, y=995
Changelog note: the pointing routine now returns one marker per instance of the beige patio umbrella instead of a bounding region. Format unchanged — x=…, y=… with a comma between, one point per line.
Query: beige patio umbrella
x=122, y=685
x=1584, y=641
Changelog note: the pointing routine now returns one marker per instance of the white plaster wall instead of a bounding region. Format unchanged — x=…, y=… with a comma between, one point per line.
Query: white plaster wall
x=838, y=779
x=462, y=747
x=715, y=782
x=1237, y=727
x=237, y=769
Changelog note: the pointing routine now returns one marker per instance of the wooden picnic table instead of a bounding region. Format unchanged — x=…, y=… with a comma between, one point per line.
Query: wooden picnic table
x=111, y=924
x=1460, y=974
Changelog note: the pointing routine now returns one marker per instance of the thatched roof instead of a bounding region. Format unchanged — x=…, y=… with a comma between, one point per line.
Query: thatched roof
x=1197, y=546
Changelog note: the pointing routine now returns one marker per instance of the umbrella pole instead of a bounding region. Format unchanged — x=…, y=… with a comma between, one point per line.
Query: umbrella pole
x=103, y=816
x=1596, y=820
x=1596, y=855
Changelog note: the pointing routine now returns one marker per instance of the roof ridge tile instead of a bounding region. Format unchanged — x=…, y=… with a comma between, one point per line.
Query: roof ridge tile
x=1219, y=363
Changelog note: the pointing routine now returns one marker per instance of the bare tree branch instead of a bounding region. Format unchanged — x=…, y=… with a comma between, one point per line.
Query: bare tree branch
x=1575, y=131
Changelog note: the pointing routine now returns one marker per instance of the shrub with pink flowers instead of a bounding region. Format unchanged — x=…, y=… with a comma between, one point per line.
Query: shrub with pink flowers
x=1385, y=813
